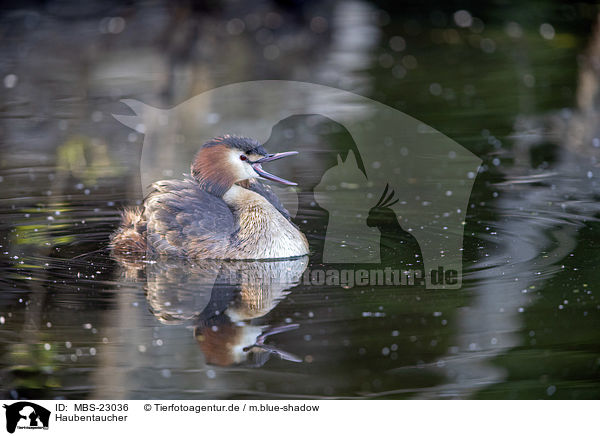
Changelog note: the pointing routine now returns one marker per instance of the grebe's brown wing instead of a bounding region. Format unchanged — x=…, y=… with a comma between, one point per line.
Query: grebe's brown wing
x=266, y=191
x=184, y=220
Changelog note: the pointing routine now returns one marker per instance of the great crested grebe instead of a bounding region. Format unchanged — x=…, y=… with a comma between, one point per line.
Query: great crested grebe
x=222, y=211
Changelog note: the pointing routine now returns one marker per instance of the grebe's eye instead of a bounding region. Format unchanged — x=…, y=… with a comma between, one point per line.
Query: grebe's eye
x=243, y=157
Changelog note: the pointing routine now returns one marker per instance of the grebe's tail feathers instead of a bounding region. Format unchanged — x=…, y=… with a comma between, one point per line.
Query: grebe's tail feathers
x=130, y=237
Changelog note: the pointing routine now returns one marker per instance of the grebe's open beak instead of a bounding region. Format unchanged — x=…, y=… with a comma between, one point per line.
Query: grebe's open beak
x=257, y=165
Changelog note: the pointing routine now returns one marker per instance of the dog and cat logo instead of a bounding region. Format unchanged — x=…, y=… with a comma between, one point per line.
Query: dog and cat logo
x=26, y=415
x=422, y=178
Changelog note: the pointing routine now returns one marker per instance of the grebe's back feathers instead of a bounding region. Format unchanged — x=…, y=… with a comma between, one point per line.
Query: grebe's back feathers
x=183, y=219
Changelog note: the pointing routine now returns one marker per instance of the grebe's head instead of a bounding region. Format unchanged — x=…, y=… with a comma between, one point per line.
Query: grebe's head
x=228, y=159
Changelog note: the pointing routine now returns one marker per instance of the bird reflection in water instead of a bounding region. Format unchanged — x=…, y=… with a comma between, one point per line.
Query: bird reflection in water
x=224, y=301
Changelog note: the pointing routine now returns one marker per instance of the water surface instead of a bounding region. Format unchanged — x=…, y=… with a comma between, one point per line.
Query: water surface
x=77, y=323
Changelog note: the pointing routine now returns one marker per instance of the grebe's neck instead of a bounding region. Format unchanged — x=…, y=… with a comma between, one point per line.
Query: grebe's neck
x=263, y=231
x=236, y=196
